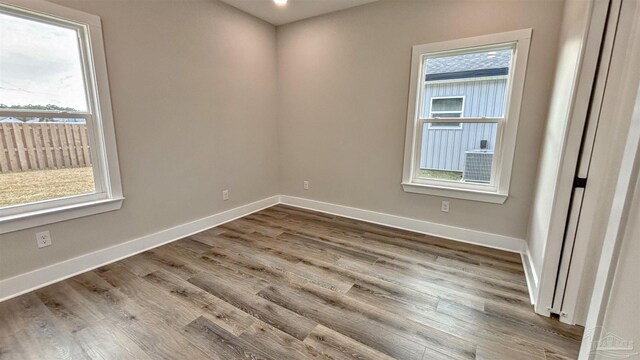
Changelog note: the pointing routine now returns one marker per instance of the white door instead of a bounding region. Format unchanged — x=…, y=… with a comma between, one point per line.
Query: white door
x=597, y=167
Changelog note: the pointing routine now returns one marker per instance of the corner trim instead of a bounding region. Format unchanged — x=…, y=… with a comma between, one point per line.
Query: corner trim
x=475, y=237
x=42, y=277
x=530, y=274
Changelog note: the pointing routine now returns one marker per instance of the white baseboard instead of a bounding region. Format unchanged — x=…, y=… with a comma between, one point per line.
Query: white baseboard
x=36, y=279
x=475, y=237
x=495, y=241
x=530, y=273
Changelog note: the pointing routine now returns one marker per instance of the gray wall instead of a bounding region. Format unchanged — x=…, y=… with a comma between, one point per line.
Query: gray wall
x=194, y=103
x=344, y=82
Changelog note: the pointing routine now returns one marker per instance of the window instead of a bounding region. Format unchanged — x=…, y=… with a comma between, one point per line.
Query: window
x=57, y=145
x=446, y=107
x=463, y=116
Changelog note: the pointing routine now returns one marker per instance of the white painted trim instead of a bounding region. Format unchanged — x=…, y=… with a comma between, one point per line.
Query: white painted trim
x=475, y=237
x=469, y=236
x=505, y=143
x=431, y=113
x=39, y=278
x=52, y=215
x=456, y=193
x=36, y=279
x=604, y=162
x=626, y=193
x=530, y=273
x=99, y=120
x=63, y=12
x=584, y=79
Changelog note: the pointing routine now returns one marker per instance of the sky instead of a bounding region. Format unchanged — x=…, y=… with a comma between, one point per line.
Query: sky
x=39, y=64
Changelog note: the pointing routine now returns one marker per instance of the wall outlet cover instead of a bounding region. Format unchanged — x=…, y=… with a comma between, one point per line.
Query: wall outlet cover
x=43, y=239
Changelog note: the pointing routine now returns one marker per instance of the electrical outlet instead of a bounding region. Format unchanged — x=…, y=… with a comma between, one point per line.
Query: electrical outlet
x=43, y=239
x=225, y=195
x=305, y=185
x=445, y=206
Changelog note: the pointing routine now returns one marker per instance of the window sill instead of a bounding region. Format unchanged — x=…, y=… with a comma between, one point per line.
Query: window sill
x=42, y=217
x=456, y=193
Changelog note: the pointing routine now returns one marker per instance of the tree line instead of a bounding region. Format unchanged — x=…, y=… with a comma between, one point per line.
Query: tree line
x=48, y=107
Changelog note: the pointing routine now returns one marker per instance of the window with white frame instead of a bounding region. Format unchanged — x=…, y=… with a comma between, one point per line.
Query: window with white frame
x=473, y=86
x=446, y=107
x=57, y=145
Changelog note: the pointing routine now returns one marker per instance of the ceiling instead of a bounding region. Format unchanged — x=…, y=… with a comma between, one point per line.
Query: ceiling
x=295, y=9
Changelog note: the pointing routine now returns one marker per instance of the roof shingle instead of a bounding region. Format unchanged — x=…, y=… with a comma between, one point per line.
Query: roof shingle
x=476, y=64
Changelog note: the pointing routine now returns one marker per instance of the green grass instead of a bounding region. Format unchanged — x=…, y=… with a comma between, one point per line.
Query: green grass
x=24, y=187
x=440, y=175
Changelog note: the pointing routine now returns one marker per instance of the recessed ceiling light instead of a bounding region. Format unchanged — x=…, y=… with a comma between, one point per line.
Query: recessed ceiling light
x=280, y=2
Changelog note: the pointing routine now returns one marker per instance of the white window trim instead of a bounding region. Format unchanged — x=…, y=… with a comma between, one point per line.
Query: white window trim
x=431, y=113
x=497, y=192
x=99, y=119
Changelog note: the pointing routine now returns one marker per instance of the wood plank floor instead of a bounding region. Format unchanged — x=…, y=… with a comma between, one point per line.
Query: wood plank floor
x=286, y=283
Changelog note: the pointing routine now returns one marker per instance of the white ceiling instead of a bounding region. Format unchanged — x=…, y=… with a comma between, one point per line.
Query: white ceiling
x=294, y=10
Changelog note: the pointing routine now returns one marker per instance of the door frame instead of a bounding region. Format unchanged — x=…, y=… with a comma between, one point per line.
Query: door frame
x=568, y=282
x=625, y=193
x=584, y=78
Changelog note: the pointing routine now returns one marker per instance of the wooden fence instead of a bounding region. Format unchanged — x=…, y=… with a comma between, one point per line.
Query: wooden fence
x=39, y=146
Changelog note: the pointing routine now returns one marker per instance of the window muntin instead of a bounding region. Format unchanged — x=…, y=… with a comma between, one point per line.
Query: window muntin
x=488, y=71
x=471, y=71
x=46, y=153
x=72, y=99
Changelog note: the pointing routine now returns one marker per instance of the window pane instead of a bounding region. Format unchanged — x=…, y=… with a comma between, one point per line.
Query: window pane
x=40, y=66
x=458, y=155
x=447, y=104
x=43, y=159
x=481, y=77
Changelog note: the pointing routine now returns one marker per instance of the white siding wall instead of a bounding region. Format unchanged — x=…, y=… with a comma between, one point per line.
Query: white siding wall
x=444, y=149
